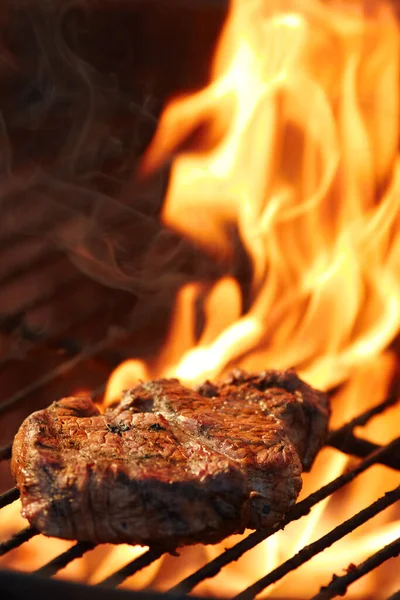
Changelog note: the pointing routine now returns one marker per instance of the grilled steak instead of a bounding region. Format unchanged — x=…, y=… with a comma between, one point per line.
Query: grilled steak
x=169, y=465
x=303, y=411
x=128, y=477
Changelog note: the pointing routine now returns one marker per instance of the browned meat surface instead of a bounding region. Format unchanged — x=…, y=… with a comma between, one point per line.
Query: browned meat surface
x=303, y=411
x=270, y=424
x=169, y=465
x=256, y=442
x=128, y=477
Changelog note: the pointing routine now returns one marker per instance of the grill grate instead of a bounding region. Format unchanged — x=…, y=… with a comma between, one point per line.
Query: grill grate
x=300, y=510
x=103, y=348
x=324, y=542
x=338, y=585
x=17, y=540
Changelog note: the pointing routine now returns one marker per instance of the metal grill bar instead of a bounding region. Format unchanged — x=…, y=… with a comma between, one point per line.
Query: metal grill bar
x=9, y=496
x=62, y=560
x=66, y=285
x=395, y=596
x=344, y=439
x=144, y=560
x=366, y=416
x=17, y=540
x=5, y=452
x=18, y=585
x=52, y=255
x=301, y=509
x=355, y=446
x=339, y=585
x=321, y=544
x=62, y=369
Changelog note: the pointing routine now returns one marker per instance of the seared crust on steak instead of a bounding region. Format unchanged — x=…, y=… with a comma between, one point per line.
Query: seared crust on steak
x=133, y=478
x=168, y=465
x=303, y=410
x=256, y=442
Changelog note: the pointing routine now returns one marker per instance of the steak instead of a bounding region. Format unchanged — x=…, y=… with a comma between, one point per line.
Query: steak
x=128, y=477
x=169, y=465
x=303, y=411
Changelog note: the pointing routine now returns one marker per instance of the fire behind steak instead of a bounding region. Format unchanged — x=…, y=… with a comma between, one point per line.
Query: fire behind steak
x=168, y=465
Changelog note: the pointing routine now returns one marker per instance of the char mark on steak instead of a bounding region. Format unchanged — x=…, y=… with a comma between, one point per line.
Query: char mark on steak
x=168, y=465
x=303, y=410
x=131, y=478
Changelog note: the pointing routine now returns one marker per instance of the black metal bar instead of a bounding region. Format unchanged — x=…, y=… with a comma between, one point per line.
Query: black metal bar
x=66, y=284
x=17, y=540
x=41, y=260
x=62, y=369
x=321, y=544
x=62, y=560
x=301, y=509
x=346, y=441
x=5, y=452
x=356, y=446
x=9, y=496
x=20, y=586
x=131, y=568
x=364, y=417
x=338, y=586
x=395, y=596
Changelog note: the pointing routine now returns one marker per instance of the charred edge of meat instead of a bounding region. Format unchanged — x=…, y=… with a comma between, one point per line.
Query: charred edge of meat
x=232, y=425
x=168, y=465
x=124, y=478
x=313, y=403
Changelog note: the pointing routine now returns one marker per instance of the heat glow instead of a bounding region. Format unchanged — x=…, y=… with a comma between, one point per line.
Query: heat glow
x=301, y=119
x=302, y=116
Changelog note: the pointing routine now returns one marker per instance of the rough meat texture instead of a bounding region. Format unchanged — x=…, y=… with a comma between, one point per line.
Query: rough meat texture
x=303, y=411
x=133, y=478
x=256, y=442
x=170, y=466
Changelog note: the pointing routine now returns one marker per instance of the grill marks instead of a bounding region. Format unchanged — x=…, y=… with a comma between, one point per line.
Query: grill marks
x=303, y=411
x=148, y=485
x=168, y=466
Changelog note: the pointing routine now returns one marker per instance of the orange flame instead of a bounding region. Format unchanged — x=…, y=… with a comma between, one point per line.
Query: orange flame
x=302, y=118
x=303, y=113
x=301, y=121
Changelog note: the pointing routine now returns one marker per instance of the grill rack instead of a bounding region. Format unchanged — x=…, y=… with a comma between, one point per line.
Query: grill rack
x=338, y=585
x=103, y=349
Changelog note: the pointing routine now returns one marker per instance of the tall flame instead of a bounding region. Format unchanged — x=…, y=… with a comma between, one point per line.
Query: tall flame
x=299, y=161
x=302, y=115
